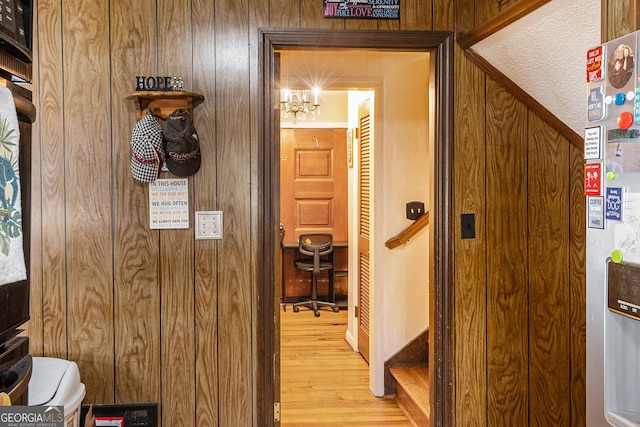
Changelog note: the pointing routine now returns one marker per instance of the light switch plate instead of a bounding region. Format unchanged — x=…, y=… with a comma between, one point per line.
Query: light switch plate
x=468, y=226
x=208, y=225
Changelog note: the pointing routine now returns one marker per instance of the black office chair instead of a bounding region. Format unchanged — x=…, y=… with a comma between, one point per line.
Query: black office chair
x=317, y=249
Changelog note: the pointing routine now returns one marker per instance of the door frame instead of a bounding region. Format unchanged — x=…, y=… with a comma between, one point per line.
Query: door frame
x=267, y=351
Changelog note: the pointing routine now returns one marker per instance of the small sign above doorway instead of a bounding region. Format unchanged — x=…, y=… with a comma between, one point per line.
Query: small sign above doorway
x=368, y=9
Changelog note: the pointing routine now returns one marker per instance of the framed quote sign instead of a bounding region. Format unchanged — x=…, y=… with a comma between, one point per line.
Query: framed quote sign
x=371, y=9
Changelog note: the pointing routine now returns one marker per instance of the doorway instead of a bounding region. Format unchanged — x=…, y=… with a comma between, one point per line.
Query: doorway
x=439, y=44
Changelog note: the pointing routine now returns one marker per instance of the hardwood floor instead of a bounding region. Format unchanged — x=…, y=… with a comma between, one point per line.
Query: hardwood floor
x=323, y=381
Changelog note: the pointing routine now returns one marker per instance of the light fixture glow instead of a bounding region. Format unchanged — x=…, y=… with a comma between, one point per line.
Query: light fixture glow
x=296, y=104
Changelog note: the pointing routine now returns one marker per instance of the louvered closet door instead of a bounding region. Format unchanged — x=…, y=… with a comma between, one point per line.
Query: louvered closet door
x=364, y=211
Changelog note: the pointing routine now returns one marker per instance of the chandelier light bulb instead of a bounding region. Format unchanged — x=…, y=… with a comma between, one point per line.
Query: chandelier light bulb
x=295, y=103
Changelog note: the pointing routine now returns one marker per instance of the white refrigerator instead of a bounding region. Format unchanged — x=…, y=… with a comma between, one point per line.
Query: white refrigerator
x=612, y=190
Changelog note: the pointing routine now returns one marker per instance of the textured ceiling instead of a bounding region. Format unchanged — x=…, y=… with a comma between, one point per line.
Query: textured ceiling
x=545, y=54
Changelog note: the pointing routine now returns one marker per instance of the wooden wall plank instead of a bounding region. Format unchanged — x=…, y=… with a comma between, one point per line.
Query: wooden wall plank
x=488, y=9
x=443, y=14
x=233, y=135
x=577, y=288
x=88, y=193
x=205, y=198
x=548, y=222
x=34, y=328
x=311, y=12
x=177, y=320
x=416, y=15
x=389, y=24
x=506, y=204
x=470, y=277
x=283, y=13
x=465, y=16
x=136, y=246
x=618, y=22
x=177, y=269
x=52, y=146
x=360, y=24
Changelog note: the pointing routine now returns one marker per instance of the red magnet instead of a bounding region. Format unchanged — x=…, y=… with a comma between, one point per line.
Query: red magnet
x=625, y=120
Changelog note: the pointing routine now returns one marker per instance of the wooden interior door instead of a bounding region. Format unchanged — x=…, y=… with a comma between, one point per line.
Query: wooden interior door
x=313, y=199
x=313, y=182
x=364, y=222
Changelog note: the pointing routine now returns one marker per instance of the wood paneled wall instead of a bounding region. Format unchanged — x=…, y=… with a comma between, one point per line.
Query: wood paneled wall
x=156, y=316
x=520, y=285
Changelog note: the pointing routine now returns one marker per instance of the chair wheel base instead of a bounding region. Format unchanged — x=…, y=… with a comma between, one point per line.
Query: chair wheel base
x=315, y=306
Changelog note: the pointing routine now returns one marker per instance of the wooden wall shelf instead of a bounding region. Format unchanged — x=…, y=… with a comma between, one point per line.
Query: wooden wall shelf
x=164, y=103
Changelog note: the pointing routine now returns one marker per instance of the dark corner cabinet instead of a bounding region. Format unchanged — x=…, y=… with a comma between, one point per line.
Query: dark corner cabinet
x=15, y=361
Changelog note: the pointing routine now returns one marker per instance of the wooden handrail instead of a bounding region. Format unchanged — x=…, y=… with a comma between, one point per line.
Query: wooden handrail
x=404, y=236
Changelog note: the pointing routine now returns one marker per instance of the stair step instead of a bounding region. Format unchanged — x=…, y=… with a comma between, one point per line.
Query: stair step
x=412, y=392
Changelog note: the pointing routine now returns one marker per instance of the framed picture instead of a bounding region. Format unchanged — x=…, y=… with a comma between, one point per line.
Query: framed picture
x=350, y=136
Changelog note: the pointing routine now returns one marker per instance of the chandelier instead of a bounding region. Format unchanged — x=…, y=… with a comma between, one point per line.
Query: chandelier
x=296, y=104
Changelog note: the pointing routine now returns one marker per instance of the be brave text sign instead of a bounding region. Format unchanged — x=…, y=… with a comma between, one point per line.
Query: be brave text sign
x=372, y=9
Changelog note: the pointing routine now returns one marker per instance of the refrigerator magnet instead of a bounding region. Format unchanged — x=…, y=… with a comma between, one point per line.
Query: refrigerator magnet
x=595, y=212
x=614, y=203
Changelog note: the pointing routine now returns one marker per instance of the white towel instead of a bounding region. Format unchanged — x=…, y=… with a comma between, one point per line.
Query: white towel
x=12, y=266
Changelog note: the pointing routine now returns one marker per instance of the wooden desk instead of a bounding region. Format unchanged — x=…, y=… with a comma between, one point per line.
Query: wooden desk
x=296, y=283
